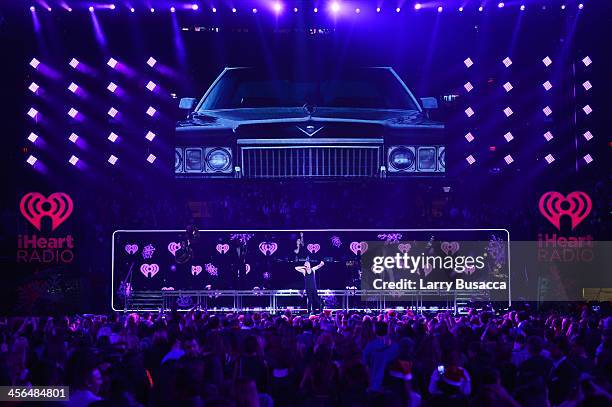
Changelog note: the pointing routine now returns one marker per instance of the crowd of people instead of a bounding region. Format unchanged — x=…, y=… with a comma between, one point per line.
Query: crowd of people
x=394, y=358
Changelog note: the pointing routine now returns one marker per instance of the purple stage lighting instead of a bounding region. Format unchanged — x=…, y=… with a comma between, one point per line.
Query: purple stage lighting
x=335, y=7
x=418, y=6
x=507, y=62
x=150, y=136
x=73, y=137
x=587, y=61
x=112, y=62
x=468, y=87
x=112, y=112
x=508, y=159
x=469, y=137
x=277, y=7
x=32, y=137
x=440, y=9
x=547, y=111
x=34, y=63
x=254, y=11
x=112, y=87
x=195, y=7
x=112, y=159
x=32, y=113
x=397, y=10
x=580, y=6
x=547, y=85
x=461, y=9
x=69, y=9
x=549, y=158
x=151, y=111
x=470, y=159
x=316, y=10
x=587, y=110
x=151, y=62
x=151, y=86
x=357, y=11
x=295, y=9
x=73, y=112
x=500, y=4
x=508, y=86
x=112, y=6
x=73, y=160
x=508, y=112
x=132, y=9
x=73, y=87
x=469, y=112
x=468, y=62
x=33, y=87
x=588, y=135
x=509, y=137
x=562, y=6
x=172, y=9
x=31, y=160
x=547, y=61
x=74, y=63
x=151, y=158
x=548, y=136
x=481, y=8
x=91, y=8
x=587, y=85
x=234, y=9
x=214, y=9
x=32, y=8
x=49, y=9
x=112, y=137
x=152, y=10
x=588, y=159
x=522, y=7
x=378, y=9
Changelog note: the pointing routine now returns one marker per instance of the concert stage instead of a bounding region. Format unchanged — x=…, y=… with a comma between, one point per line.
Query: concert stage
x=273, y=301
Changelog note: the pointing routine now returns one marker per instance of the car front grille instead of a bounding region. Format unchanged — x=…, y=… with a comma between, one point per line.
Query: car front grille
x=310, y=161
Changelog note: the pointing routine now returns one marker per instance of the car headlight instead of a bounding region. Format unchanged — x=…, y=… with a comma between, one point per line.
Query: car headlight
x=427, y=159
x=218, y=159
x=178, y=160
x=401, y=158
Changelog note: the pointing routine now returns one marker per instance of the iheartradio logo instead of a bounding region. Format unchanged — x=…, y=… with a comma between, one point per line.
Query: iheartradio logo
x=553, y=205
x=35, y=206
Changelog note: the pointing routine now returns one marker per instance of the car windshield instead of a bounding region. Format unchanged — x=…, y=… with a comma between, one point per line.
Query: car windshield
x=374, y=88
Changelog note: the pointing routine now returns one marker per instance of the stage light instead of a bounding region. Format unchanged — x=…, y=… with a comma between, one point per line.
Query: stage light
x=151, y=62
x=547, y=85
x=112, y=7
x=508, y=86
x=522, y=7
x=357, y=11
x=588, y=159
x=397, y=10
x=73, y=112
x=112, y=137
x=316, y=10
x=580, y=6
x=562, y=6
x=91, y=8
x=507, y=62
x=277, y=7
x=73, y=160
x=151, y=111
x=335, y=7
x=34, y=63
x=69, y=9
x=500, y=4
x=587, y=109
x=547, y=111
x=112, y=87
x=112, y=62
x=74, y=63
x=469, y=137
x=587, y=61
x=548, y=136
x=31, y=160
x=234, y=9
x=112, y=159
x=378, y=9
x=172, y=9
x=295, y=9
x=32, y=8
x=73, y=87
x=547, y=61
x=418, y=6
x=470, y=159
x=152, y=10
x=151, y=158
x=112, y=112
x=33, y=87
x=254, y=11
x=469, y=112
x=508, y=159
x=587, y=85
x=509, y=137
x=195, y=7
x=588, y=135
x=49, y=9
x=549, y=158
x=468, y=62
x=468, y=87
x=440, y=9
x=508, y=112
x=480, y=8
x=32, y=113
x=151, y=86
x=214, y=10
x=132, y=9
x=73, y=137
x=32, y=137
x=150, y=136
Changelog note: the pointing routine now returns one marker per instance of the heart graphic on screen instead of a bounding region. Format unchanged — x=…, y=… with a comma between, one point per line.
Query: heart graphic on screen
x=404, y=247
x=427, y=269
x=173, y=247
x=452, y=247
x=196, y=270
x=470, y=270
x=313, y=248
x=553, y=205
x=358, y=247
x=247, y=268
x=131, y=248
x=222, y=248
x=34, y=207
x=268, y=248
x=167, y=288
x=149, y=270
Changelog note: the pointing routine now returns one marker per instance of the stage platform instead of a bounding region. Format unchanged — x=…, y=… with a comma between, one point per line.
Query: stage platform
x=279, y=300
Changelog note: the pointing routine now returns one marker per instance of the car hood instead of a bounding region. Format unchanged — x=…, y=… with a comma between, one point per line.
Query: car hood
x=235, y=118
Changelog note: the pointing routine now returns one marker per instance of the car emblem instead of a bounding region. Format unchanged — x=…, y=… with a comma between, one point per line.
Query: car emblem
x=310, y=130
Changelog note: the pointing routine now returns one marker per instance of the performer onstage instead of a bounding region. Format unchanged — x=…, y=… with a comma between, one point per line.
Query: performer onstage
x=310, y=283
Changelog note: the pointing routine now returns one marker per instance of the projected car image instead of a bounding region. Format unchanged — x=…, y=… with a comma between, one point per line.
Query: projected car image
x=365, y=123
